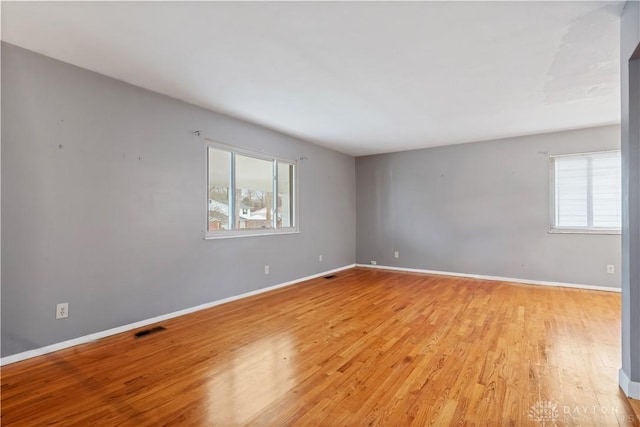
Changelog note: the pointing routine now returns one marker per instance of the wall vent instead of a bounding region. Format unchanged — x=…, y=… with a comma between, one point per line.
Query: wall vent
x=146, y=332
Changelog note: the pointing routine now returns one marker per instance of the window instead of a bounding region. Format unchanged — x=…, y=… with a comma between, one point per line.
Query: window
x=241, y=188
x=586, y=192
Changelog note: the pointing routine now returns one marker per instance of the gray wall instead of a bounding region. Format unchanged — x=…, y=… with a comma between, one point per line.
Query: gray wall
x=630, y=98
x=104, y=201
x=480, y=208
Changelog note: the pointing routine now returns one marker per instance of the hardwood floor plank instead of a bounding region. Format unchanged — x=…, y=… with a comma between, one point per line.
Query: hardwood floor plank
x=370, y=347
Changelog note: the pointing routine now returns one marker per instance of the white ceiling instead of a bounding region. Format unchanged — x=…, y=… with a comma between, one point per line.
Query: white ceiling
x=359, y=77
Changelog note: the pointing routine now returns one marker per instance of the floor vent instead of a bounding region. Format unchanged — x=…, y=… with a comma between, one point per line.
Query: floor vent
x=331, y=276
x=149, y=331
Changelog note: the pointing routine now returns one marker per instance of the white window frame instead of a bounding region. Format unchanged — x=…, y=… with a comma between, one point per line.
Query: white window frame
x=233, y=233
x=556, y=229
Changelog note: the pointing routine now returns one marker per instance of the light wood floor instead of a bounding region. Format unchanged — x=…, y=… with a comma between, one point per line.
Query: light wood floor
x=370, y=347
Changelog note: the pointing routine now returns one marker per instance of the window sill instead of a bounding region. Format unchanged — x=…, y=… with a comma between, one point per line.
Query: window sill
x=251, y=233
x=579, y=231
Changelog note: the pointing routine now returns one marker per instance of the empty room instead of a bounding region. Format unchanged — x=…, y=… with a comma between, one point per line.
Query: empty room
x=320, y=213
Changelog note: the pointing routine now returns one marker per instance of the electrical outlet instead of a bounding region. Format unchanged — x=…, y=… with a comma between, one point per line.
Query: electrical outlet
x=320, y=258
x=396, y=254
x=611, y=269
x=266, y=269
x=62, y=310
x=372, y=262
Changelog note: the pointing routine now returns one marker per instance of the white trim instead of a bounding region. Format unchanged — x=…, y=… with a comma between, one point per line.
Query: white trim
x=630, y=388
x=587, y=153
x=498, y=278
x=102, y=334
x=230, y=235
x=558, y=230
x=255, y=153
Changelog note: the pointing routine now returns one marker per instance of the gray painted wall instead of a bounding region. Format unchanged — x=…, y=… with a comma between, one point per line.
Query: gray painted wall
x=104, y=201
x=480, y=208
x=630, y=98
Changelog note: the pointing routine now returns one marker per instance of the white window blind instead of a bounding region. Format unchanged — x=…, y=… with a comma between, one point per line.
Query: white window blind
x=587, y=191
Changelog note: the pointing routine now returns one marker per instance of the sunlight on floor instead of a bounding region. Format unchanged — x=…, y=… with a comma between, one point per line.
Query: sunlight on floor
x=257, y=375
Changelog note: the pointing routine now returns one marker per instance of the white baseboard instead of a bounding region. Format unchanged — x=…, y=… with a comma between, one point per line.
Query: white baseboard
x=497, y=278
x=102, y=334
x=630, y=388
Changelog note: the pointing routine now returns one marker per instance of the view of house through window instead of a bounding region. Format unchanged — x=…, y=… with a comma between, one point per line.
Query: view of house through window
x=587, y=191
x=219, y=189
x=241, y=192
x=254, y=193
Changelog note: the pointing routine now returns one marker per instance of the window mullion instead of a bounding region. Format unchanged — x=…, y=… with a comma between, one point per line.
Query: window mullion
x=556, y=193
x=232, y=192
x=274, y=197
x=589, y=192
x=292, y=196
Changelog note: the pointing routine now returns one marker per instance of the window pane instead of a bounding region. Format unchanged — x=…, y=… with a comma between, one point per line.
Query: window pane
x=245, y=194
x=607, y=192
x=571, y=191
x=285, y=195
x=254, y=192
x=219, y=171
